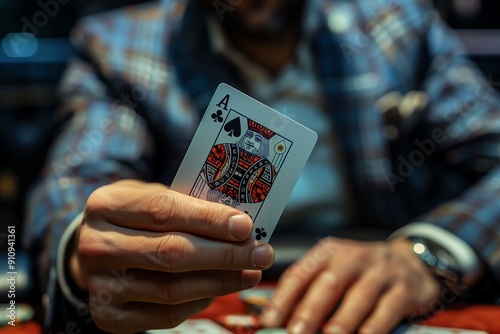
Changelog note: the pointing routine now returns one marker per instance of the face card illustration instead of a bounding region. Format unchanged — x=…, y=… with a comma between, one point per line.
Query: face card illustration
x=242, y=164
x=247, y=156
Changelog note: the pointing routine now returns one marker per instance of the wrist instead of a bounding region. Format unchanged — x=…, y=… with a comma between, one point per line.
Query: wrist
x=404, y=247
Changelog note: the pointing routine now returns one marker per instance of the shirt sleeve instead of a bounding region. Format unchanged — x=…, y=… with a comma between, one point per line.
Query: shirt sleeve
x=101, y=140
x=466, y=108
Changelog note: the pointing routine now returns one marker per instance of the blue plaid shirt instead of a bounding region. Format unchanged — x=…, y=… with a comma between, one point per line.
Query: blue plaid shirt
x=133, y=97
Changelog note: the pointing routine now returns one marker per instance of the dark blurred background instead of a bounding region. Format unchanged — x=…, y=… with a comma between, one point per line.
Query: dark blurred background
x=32, y=62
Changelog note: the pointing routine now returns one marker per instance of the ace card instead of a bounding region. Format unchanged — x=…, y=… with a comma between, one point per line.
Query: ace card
x=247, y=156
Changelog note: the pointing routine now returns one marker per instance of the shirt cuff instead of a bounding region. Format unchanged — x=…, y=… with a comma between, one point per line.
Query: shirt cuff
x=61, y=270
x=467, y=259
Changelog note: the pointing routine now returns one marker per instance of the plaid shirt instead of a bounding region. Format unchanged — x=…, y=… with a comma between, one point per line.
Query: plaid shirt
x=143, y=77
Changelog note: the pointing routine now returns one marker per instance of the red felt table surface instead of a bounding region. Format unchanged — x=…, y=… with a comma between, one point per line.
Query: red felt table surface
x=477, y=317
x=27, y=328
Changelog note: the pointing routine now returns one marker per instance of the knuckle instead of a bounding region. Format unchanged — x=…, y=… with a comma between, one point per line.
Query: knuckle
x=406, y=279
x=102, y=306
x=229, y=255
x=366, y=293
x=171, y=290
x=171, y=251
x=330, y=242
x=101, y=321
x=111, y=320
x=205, y=212
x=94, y=287
x=361, y=254
x=98, y=201
x=329, y=281
x=91, y=245
x=288, y=274
x=98, y=313
x=291, y=274
x=402, y=296
x=122, y=182
x=402, y=292
x=224, y=284
x=162, y=209
x=172, y=319
x=325, y=249
x=397, y=308
x=87, y=245
x=291, y=279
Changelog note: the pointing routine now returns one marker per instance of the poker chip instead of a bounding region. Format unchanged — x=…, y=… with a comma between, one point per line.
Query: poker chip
x=239, y=321
x=272, y=331
x=259, y=296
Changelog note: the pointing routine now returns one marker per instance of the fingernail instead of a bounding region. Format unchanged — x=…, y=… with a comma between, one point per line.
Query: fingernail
x=298, y=328
x=239, y=226
x=251, y=278
x=334, y=329
x=263, y=256
x=270, y=318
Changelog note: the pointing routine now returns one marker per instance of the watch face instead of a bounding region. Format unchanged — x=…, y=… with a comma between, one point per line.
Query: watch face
x=435, y=255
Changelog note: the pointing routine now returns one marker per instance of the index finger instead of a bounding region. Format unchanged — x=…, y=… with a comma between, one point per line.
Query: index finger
x=164, y=210
x=296, y=281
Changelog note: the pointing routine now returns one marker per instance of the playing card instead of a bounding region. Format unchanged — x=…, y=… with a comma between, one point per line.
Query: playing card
x=193, y=326
x=418, y=329
x=245, y=155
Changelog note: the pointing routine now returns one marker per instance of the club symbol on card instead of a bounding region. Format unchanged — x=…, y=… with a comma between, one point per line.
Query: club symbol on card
x=217, y=116
x=233, y=128
x=260, y=233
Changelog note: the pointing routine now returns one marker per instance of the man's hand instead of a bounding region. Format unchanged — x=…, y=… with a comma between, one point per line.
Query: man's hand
x=151, y=257
x=375, y=284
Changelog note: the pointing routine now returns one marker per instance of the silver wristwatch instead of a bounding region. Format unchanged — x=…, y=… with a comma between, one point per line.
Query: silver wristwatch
x=439, y=260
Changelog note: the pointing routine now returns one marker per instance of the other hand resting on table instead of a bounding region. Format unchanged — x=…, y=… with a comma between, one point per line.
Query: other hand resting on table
x=379, y=283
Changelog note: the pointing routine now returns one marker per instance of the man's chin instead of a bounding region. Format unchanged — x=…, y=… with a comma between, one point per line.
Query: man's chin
x=271, y=31
x=277, y=26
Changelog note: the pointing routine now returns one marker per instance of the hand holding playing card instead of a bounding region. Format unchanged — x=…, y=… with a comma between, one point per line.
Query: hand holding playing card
x=151, y=257
x=380, y=283
x=247, y=156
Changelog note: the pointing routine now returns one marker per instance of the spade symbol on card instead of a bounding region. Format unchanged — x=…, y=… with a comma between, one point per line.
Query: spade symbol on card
x=233, y=128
